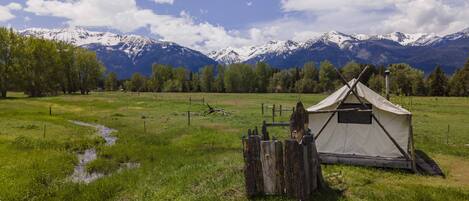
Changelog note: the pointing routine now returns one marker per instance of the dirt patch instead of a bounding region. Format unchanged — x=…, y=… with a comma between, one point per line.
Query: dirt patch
x=221, y=127
x=456, y=168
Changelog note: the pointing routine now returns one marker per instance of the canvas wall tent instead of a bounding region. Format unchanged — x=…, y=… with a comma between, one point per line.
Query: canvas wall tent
x=364, y=130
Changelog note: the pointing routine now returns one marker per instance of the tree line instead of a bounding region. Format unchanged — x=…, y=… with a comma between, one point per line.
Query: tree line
x=261, y=78
x=42, y=67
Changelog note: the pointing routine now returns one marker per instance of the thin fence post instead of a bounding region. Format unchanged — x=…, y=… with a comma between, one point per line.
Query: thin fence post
x=262, y=108
x=280, y=110
x=50, y=110
x=447, y=136
x=44, y=134
x=188, y=118
x=273, y=113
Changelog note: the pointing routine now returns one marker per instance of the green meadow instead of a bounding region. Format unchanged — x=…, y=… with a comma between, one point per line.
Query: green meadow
x=202, y=161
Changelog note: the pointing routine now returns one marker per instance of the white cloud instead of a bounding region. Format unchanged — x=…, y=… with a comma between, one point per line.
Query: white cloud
x=249, y=3
x=5, y=11
x=372, y=16
x=15, y=6
x=429, y=16
x=164, y=1
x=126, y=16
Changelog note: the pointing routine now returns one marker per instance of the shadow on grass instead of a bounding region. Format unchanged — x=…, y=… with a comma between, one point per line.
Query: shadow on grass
x=327, y=194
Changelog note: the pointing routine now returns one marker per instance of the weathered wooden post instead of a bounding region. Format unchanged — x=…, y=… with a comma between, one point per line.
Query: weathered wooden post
x=252, y=165
x=447, y=135
x=188, y=118
x=272, y=167
x=280, y=110
x=262, y=108
x=273, y=113
x=303, y=174
x=292, y=168
x=50, y=110
x=265, y=134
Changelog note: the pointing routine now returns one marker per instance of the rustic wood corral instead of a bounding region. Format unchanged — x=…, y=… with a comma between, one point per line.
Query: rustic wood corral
x=293, y=170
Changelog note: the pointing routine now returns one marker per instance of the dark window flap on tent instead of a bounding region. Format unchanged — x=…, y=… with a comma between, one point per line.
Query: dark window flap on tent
x=355, y=117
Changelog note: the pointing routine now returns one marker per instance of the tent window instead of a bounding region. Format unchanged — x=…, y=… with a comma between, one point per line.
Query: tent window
x=354, y=117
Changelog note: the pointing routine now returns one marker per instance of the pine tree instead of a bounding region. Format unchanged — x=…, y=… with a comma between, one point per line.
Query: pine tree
x=459, y=82
x=438, y=82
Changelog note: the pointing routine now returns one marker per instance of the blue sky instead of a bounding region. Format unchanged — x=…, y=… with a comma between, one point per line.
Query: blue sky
x=212, y=24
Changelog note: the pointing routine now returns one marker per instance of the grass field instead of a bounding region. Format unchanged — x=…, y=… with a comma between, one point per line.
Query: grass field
x=203, y=161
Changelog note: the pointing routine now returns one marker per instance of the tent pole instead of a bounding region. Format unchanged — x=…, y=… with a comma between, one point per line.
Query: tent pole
x=412, y=146
x=391, y=138
x=379, y=123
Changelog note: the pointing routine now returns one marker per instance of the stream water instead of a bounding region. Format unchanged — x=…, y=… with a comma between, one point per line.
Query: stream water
x=80, y=174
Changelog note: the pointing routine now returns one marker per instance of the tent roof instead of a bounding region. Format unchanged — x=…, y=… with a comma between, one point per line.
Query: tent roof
x=365, y=93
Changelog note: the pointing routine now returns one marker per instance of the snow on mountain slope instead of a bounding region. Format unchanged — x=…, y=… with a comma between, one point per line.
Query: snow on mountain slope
x=130, y=44
x=417, y=39
x=235, y=55
x=126, y=54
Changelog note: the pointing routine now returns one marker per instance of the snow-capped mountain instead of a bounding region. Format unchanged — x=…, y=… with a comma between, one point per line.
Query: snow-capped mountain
x=125, y=54
x=235, y=55
x=417, y=39
x=448, y=51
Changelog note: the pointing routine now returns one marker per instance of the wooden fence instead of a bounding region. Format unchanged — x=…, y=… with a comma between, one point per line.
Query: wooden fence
x=291, y=168
x=276, y=110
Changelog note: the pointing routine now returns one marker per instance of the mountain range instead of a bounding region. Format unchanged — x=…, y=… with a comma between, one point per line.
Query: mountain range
x=421, y=50
x=126, y=54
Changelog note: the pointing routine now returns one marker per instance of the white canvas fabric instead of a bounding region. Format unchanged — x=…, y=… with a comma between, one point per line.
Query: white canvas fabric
x=361, y=139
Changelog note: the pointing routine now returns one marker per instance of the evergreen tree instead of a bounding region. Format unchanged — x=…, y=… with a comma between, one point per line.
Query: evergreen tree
x=437, y=82
x=459, y=83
